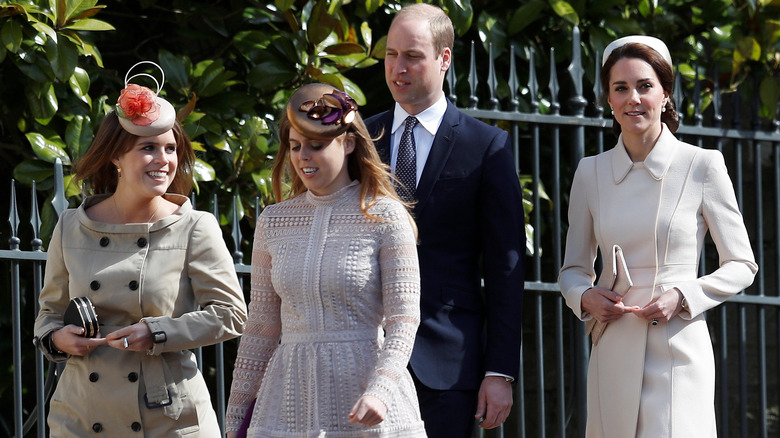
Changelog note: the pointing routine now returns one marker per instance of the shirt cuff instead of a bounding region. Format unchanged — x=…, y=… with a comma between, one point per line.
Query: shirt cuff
x=509, y=379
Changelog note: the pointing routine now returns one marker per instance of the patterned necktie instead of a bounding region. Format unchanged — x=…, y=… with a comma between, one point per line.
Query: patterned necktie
x=406, y=164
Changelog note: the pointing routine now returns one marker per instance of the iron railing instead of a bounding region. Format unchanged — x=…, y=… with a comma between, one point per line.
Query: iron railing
x=550, y=392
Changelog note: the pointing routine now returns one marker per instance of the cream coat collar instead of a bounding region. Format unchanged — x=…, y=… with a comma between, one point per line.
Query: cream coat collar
x=656, y=163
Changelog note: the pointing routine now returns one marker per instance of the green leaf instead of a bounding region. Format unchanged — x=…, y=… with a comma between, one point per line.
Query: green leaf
x=177, y=69
x=78, y=135
x=48, y=149
x=525, y=15
x=345, y=49
x=461, y=14
x=644, y=8
x=380, y=48
x=268, y=75
x=770, y=95
x=203, y=171
x=284, y=5
x=565, y=10
x=90, y=24
x=45, y=28
x=373, y=5
x=79, y=84
x=365, y=33
x=32, y=170
x=42, y=100
x=11, y=35
x=320, y=24
x=63, y=57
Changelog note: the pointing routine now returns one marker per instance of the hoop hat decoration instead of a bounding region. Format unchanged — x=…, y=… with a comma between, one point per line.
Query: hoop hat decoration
x=652, y=42
x=320, y=111
x=141, y=111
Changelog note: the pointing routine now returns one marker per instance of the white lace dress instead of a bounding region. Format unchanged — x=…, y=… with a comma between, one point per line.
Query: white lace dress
x=326, y=281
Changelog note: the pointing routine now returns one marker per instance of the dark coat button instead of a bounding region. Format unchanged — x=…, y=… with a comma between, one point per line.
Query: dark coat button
x=93, y=377
x=97, y=428
x=136, y=426
x=94, y=285
x=133, y=285
x=133, y=377
x=141, y=242
x=104, y=241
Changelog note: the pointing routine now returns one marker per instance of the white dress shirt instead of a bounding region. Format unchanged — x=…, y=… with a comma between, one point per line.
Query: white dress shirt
x=429, y=121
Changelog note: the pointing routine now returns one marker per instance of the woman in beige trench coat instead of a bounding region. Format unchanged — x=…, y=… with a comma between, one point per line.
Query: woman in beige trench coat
x=652, y=373
x=158, y=274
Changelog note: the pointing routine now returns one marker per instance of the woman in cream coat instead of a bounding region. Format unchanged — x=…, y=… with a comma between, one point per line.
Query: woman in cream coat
x=159, y=276
x=652, y=373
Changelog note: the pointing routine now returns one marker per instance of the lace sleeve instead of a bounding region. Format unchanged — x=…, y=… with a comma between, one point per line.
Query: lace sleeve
x=261, y=334
x=400, y=273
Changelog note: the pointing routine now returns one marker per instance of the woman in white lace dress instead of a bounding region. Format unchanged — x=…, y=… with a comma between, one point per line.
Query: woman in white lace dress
x=335, y=288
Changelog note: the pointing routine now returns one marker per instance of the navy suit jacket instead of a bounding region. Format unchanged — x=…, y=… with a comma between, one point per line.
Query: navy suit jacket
x=471, y=225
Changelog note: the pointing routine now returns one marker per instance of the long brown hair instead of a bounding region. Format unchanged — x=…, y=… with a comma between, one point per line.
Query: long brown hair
x=97, y=170
x=363, y=164
x=662, y=69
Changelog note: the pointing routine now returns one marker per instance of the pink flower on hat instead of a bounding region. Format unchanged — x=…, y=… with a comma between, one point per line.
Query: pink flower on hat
x=138, y=104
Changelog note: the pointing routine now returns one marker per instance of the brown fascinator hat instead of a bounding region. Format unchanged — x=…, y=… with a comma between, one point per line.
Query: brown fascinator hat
x=141, y=111
x=320, y=111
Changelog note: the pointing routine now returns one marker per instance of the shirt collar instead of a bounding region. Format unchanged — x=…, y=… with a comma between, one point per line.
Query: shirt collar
x=656, y=163
x=430, y=118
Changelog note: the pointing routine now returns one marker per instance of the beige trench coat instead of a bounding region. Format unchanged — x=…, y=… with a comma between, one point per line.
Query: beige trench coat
x=175, y=274
x=644, y=380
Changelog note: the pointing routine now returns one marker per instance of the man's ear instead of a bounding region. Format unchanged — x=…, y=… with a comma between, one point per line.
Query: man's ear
x=446, y=59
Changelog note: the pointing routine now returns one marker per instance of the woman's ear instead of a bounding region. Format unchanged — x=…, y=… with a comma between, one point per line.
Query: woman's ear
x=349, y=143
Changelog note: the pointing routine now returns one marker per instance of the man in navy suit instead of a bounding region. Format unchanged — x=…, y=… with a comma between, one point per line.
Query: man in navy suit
x=471, y=226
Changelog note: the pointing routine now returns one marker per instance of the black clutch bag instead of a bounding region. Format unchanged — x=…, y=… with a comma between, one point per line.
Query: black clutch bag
x=81, y=312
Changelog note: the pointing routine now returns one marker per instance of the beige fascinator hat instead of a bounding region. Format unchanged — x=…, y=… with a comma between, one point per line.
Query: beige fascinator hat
x=141, y=111
x=652, y=42
x=320, y=111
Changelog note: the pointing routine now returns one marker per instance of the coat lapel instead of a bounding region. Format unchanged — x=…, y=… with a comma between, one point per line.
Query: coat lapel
x=442, y=146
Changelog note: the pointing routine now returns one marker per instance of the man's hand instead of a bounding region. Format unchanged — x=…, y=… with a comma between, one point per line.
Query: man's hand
x=495, y=402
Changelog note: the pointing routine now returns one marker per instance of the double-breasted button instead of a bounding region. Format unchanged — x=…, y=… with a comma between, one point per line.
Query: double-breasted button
x=133, y=285
x=93, y=377
x=136, y=426
x=94, y=285
x=133, y=377
x=97, y=428
x=141, y=242
x=104, y=241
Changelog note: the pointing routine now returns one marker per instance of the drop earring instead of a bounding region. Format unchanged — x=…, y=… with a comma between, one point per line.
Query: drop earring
x=119, y=172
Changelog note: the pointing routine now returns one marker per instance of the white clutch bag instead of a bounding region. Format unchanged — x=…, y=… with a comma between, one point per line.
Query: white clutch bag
x=621, y=283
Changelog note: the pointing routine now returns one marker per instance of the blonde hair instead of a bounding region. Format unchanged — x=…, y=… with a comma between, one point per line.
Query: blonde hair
x=440, y=24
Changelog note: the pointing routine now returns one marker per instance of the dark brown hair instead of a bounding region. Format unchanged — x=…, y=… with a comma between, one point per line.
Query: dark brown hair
x=96, y=169
x=662, y=69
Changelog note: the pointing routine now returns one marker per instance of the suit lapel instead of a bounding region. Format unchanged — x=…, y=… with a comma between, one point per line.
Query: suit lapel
x=442, y=146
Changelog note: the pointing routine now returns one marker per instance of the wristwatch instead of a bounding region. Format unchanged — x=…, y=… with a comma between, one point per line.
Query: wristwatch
x=684, y=304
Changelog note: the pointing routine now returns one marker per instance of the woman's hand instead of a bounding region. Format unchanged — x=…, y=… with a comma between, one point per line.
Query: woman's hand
x=604, y=305
x=368, y=411
x=136, y=337
x=69, y=340
x=663, y=308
